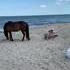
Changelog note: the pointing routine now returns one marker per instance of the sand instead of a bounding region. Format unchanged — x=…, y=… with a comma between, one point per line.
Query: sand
x=36, y=54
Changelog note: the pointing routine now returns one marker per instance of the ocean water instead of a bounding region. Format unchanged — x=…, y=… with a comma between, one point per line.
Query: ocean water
x=36, y=20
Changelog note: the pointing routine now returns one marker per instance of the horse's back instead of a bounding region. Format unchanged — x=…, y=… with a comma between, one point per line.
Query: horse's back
x=23, y=23
x=15, y=26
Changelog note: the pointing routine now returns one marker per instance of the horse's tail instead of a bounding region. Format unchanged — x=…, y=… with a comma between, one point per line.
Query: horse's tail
x=27, y=32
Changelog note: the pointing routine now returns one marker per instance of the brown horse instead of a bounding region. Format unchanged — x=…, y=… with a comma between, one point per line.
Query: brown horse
x=16, y=26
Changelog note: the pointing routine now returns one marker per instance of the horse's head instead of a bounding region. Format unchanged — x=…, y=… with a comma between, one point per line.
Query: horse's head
x=9, y=21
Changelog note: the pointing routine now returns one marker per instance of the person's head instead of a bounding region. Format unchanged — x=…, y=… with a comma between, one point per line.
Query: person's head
x=50, y=31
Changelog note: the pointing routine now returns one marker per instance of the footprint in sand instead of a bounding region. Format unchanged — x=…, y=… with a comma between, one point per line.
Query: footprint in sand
x=44, y=68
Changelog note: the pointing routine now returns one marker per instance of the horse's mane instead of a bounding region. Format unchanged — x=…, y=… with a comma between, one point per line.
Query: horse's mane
x=22, y=22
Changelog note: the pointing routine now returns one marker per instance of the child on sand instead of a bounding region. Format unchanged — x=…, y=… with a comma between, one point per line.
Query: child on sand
x=51, y=35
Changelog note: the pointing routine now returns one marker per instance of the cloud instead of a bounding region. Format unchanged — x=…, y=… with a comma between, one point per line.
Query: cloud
x=60, y=2
x=67, y=0
x=43, y=6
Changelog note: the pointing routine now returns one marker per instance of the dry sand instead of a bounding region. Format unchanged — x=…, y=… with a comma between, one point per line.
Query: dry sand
x=36, y=54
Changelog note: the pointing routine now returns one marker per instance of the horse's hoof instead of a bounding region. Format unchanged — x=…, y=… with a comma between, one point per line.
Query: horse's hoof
x=28, y=39
x=22, y=39
x=12, y=40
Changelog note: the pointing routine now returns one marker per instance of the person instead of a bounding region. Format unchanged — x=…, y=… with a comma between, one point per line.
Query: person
x=51, y=35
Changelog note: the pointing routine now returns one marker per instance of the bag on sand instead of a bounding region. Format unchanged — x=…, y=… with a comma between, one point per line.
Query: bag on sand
x=67, y=53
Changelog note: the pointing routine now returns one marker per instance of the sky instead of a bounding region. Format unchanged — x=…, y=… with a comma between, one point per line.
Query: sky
x=34, y=7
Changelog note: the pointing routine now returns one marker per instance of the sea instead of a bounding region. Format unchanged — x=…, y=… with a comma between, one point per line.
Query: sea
x=36, y=20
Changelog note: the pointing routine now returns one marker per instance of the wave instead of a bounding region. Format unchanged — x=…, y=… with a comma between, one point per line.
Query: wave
x=1, y=30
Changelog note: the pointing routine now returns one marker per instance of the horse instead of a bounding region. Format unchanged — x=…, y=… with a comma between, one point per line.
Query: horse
x=11, y=26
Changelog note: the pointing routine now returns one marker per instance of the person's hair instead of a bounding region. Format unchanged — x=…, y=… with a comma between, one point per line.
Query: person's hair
x=50, y=30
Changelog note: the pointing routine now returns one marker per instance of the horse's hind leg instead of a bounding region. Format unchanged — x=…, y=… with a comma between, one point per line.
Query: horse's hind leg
x=23, y=35
x=27, y=33
x=11, y=39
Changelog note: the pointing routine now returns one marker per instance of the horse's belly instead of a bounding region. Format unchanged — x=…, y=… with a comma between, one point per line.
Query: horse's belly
x=13, y=29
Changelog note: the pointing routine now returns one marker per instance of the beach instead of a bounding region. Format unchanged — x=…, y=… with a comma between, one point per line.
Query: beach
x=36, y=54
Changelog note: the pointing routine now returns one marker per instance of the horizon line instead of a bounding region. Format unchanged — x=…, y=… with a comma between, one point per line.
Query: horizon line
x=33, y=15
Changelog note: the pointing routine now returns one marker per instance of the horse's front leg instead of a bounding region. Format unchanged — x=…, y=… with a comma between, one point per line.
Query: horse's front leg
x=6, y=34
x=23, y=35
x=11, y=39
